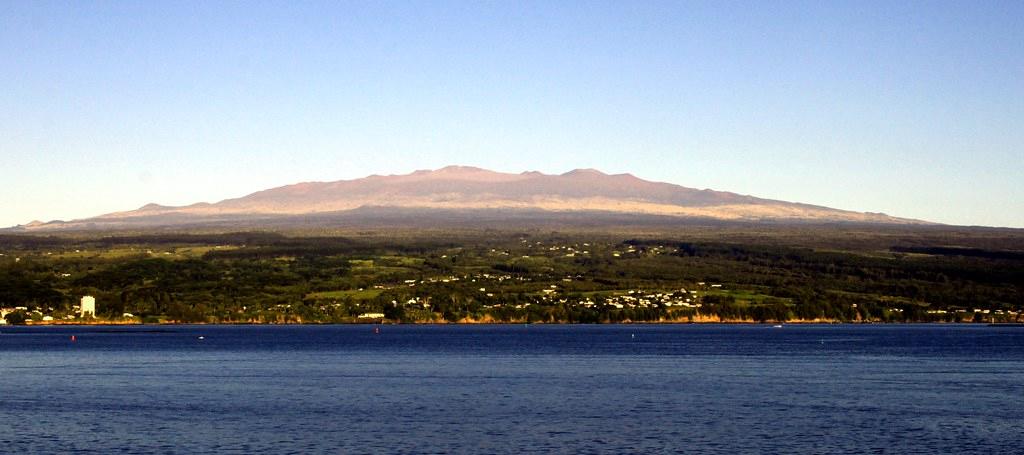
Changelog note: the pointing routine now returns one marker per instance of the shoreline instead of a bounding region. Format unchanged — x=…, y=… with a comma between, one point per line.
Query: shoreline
x=493, y=322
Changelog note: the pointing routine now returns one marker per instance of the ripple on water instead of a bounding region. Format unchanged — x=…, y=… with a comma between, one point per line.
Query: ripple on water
x=503, y=389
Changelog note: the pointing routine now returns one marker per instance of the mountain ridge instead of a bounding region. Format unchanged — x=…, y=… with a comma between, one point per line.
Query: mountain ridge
x=462, y=188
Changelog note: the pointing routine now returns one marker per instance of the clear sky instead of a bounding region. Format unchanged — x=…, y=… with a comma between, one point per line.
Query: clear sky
x=915, y=109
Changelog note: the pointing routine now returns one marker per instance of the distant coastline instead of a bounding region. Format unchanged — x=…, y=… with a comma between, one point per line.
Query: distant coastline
x=706, y=321
x=773, y=275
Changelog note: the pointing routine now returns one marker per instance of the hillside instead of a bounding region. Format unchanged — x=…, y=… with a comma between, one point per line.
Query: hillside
x=457, y=191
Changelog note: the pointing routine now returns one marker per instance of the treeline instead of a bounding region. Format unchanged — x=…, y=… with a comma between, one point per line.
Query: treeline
x=957, y=251
x=990, y=280
x=269, y=277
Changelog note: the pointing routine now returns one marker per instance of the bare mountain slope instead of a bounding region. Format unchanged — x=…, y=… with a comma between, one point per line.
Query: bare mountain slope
x=469, y=188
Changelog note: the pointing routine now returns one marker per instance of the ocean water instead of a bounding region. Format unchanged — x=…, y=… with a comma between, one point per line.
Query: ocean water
x=513, y=389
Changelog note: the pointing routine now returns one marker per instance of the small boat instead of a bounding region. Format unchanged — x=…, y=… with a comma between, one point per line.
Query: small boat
x=777, y=326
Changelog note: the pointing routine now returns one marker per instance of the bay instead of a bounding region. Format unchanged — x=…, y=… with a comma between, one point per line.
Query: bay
x=512, y=389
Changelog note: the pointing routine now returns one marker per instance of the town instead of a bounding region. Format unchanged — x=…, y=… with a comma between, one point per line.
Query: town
x=486, y=276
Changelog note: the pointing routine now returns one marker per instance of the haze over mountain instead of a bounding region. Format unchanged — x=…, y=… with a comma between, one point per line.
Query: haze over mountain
x=581, y=193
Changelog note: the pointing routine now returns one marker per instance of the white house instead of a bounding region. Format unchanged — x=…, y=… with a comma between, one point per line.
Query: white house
x=88, y=306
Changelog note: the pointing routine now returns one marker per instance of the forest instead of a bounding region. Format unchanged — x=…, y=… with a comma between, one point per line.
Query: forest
x=698, y=274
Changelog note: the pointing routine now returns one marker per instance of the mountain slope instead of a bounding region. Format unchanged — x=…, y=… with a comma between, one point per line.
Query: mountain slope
x=458, y=188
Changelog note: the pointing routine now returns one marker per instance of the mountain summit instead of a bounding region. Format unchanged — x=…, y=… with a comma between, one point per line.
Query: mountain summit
x=463, y=188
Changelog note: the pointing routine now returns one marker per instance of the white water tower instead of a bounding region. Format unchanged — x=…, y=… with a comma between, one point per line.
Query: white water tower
x=88, y=306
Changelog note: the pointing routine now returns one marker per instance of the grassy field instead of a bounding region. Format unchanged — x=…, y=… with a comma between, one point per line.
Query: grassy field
x=356, y=294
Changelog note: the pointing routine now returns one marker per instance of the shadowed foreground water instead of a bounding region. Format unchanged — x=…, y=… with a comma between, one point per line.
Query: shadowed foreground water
x=514, y=388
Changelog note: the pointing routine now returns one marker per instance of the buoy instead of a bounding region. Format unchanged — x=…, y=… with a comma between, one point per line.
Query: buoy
x=376, y=330
x=73, y=338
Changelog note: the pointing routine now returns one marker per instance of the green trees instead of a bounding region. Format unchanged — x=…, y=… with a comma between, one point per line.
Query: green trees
x=317, y=279
x=29, y=286
x=16, y=318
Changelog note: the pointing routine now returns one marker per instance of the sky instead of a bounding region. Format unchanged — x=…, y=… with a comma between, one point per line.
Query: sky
x=914, y=109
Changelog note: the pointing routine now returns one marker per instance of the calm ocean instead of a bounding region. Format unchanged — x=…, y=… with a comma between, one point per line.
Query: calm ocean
x=512, y=389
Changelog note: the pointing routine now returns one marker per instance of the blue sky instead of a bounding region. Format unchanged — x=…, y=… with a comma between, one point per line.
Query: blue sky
x=915, y=109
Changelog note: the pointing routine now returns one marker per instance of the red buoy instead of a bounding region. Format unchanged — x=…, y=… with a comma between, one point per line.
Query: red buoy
x=73, y=338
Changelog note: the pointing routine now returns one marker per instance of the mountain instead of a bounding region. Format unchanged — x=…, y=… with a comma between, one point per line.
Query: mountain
x=469, y=191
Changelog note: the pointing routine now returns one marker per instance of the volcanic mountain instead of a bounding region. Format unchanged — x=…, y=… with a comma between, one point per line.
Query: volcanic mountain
x=459, y=189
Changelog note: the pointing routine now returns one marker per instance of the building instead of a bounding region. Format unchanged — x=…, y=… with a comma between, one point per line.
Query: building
x=88, y=307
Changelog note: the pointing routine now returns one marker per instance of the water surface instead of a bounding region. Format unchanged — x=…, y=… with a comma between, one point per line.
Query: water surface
x=512, y=389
